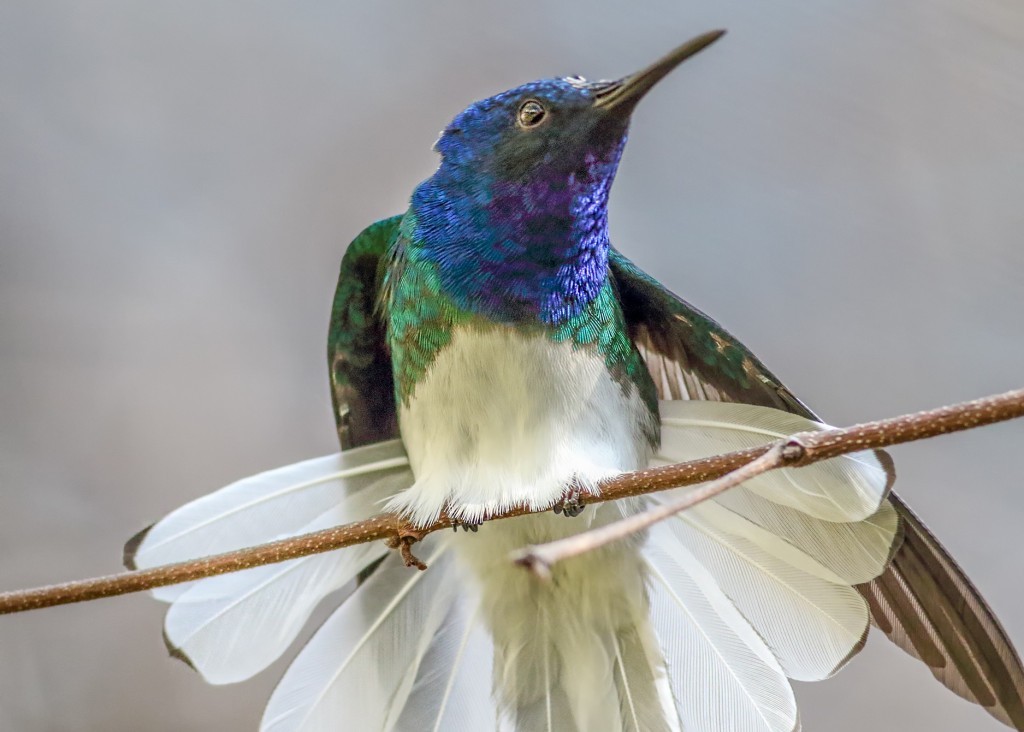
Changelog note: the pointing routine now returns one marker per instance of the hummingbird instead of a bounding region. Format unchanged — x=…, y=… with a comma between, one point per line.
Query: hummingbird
x=488, y=349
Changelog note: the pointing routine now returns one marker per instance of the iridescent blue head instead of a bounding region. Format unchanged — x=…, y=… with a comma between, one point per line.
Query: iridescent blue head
x=515, y=217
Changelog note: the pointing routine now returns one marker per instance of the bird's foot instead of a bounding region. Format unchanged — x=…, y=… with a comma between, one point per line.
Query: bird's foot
x=406, y=536
x=467, y=526
x=572, y=505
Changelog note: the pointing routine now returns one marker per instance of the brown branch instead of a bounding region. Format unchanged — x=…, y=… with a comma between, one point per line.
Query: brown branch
x=793, y=451
x=540, y=558
x=389, y=527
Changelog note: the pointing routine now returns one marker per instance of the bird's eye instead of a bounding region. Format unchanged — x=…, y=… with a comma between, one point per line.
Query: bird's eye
x=531, y=113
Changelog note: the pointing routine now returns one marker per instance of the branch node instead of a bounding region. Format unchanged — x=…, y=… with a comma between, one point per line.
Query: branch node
x=530, y=558
x=793, y=450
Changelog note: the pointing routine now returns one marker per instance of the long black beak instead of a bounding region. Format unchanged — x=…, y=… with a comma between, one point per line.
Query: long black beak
x=622, y=95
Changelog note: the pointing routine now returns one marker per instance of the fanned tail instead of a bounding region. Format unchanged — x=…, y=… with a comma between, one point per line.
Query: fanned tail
x=697, y=628
x=407, y=650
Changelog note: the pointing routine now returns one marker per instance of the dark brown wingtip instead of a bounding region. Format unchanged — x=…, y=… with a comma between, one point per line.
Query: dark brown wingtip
x=177, y=653
x=929, y=608
x=132, y=546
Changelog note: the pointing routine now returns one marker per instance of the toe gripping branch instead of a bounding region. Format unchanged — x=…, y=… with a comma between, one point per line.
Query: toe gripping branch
x=405, y=536
x=572, y=504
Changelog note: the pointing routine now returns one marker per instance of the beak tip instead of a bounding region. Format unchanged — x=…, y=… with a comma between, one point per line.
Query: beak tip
x=714, y=35
x=625, y=93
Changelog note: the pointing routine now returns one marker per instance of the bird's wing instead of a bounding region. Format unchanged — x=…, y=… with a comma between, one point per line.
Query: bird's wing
x=927, y=606
x=923, y=602
x=362, y=385
x=688, y=354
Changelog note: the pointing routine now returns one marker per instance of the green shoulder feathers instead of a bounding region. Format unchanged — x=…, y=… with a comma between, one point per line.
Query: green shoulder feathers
x=362, y=386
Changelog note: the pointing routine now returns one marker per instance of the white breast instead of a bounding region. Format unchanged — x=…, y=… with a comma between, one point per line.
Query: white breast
x=505, y=419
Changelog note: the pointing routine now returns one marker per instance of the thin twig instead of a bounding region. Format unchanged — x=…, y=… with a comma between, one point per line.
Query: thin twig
x=540, y=558
x=392, y=528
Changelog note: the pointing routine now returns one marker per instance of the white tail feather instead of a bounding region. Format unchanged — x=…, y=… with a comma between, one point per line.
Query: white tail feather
x=454, y=689
x=812, y=625
x=857, y=551
x=269, y=505
x=847, y=488
x=787, y=548
x=722, y=674
x=359, y=668
x=233, y=626
x=273, y=505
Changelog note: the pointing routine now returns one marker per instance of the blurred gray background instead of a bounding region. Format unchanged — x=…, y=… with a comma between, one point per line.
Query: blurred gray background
x=839, y=183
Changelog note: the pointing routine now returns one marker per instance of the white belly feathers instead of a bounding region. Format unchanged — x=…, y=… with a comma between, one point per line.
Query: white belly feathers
x=502, y=419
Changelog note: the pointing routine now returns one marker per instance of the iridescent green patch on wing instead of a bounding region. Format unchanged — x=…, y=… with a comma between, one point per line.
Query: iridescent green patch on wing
x=359, y=363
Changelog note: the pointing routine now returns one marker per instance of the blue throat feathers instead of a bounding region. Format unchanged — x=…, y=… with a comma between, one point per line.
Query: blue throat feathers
x=517, y=229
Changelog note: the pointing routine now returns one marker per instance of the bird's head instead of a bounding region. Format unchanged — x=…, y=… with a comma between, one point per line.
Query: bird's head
x=553, y=130
x=521, y=192
x=549, y=131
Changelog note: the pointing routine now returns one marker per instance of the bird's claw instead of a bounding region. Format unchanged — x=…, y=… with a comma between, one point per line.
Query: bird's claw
x=405, y=537
x=571, y=506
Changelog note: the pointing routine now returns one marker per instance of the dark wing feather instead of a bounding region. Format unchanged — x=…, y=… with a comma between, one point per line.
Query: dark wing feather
x=923, y=602
x=688, y=354
x=362, y=384
x=927, y=605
